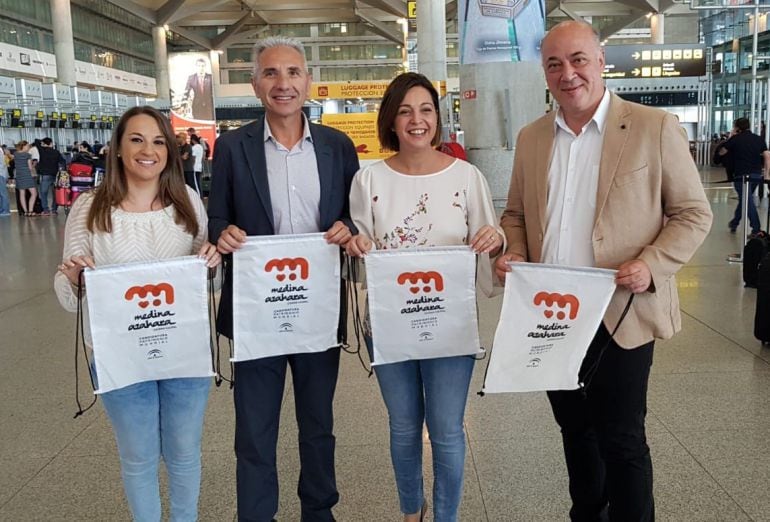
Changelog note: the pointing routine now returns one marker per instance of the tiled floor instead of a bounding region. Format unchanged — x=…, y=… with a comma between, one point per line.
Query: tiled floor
x=709, y=412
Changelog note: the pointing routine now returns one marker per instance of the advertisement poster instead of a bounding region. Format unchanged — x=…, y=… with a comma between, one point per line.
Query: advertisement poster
x=549, y=317
x=286, y=296
x=501, y=30
x=192, y=95
x=422, y=303
x=361, y=127
x=149, y=321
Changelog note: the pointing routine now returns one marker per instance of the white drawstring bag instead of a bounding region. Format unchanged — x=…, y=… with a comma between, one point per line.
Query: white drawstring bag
x=286, y=296
x=422, y=303
x=549, y=317
x=149, y=321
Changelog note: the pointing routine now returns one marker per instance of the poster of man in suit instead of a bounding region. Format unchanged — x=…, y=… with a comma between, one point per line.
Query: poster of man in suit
x=191, y=82
x=192, y=96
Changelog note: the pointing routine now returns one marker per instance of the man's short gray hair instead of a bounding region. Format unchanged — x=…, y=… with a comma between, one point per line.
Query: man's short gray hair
x=275, y=41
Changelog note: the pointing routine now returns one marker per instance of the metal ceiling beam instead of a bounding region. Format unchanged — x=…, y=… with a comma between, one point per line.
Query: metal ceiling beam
x=646, y=6
x=569, y=12
x=248, y=34
x=619, y=24
x=381, y=29
x=222, y=39
x=142, y=12
x=190, y=10
x=167, y=10
x=192, y=36
x=394, y=7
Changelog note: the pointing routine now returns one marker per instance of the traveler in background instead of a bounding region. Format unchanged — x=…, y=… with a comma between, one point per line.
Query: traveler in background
x=606, y=183
x=47, y=169
x=197, y=154
x=25, y=179
x=206, y=148
x=281, y=175
x=188, y=162
x=84, y=154
x=414, y=189
x=34, y=152
x=5, y=202
x=144, y=212
x=749, y=157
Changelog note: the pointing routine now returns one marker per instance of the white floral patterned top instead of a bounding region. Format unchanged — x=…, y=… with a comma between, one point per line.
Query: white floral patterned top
x=397, y=210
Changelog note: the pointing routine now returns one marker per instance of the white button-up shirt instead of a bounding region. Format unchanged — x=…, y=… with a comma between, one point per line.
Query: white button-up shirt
x=295, y=189
x=573, y=177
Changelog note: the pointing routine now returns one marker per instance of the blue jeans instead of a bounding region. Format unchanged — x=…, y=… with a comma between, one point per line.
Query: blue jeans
x=754, y=180
x=157, y=419
x=46, y=182
x=5, y=203
x=432, y=391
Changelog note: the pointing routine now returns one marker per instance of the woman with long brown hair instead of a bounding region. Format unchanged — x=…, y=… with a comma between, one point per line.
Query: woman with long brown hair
x=143, y=211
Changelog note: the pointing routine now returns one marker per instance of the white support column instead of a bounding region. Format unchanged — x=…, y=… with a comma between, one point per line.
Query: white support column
x=215, y=72
x=161, y=62
x=431, y=35
x=64, y=47
x=657, y=27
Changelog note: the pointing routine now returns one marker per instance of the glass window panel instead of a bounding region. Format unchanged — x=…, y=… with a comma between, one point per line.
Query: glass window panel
x=239, y=75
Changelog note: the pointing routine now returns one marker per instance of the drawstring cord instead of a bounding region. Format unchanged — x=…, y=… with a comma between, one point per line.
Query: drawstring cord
x=215, y=345
x=80, y=336
x=358, y=326
x=589, y=375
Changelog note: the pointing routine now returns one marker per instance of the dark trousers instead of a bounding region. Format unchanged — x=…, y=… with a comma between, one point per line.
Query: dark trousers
x=259, y=386
x=608, y=460
x=193, y=180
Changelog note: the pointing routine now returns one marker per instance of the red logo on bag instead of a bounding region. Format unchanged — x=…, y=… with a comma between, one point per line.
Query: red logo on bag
x=292, y=264
x=156, y=291
x=416, y=279
x=562, y=301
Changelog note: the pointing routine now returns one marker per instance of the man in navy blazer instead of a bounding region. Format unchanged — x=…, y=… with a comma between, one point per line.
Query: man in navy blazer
x=281, y=175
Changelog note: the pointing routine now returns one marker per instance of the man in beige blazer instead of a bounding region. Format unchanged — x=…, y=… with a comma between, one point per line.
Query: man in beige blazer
x=607, y=183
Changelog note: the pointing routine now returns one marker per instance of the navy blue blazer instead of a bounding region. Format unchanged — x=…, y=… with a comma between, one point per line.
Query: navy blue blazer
x=240, y=193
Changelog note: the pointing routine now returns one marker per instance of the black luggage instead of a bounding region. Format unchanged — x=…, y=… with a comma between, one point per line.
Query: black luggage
x=754, y=252
x=38, y=204
x=762, y=314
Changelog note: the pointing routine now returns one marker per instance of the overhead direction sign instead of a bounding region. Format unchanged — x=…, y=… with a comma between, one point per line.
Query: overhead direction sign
x=355, y=89
x=654, y=61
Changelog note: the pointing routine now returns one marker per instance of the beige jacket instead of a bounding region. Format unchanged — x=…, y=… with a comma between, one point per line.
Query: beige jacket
x=650, y=205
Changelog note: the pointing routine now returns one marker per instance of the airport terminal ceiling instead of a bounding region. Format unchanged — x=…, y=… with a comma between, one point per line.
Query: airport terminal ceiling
x=213, y=24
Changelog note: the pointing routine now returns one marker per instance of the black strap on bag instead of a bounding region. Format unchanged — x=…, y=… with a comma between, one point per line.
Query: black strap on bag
x=215, y=336
x=358, y=323
x=589, y=375
x=80, y=338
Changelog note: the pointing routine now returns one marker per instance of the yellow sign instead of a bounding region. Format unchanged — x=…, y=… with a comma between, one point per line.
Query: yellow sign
x=411, y=9
x=369, y=90
x=361, y=127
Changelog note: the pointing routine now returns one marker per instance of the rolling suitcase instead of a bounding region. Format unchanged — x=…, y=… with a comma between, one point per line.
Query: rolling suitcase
x=762, y=313
x=754, y=252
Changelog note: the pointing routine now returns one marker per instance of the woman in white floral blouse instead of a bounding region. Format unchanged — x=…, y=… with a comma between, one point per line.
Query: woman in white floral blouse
x=420, y=197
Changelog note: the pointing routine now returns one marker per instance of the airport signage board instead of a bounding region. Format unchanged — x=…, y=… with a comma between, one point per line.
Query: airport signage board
x=363, y=90
x=654, y=61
